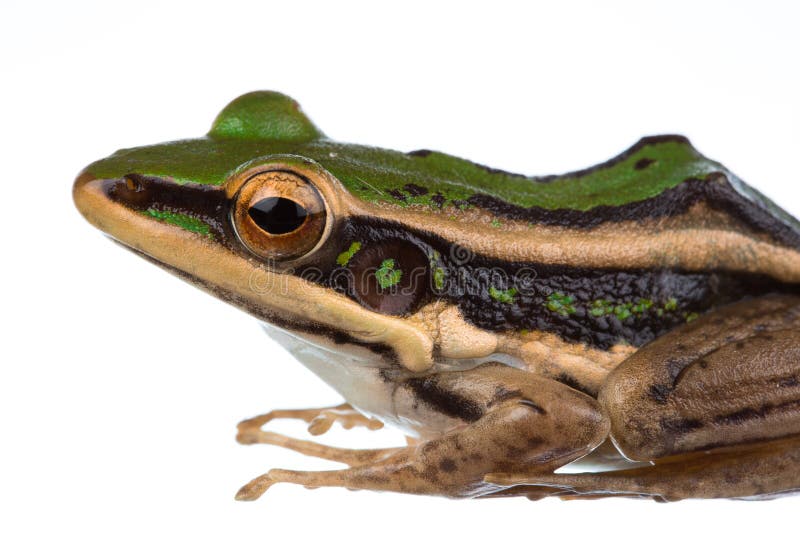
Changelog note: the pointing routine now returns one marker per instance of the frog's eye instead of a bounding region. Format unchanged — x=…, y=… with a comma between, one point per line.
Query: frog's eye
x=279, y=215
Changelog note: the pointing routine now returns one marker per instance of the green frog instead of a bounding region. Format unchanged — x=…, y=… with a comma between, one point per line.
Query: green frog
x=636, y=323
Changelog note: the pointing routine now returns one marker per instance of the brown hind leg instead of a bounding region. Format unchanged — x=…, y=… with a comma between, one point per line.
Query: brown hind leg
x=715, y=405
x=764, y=470
x=510, y=420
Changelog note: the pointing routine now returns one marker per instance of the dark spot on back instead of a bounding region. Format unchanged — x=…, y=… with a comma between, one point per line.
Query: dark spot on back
x=415, y=190
x=438, y=199
x=643, y=163
x=421, y=153
x=396, y=194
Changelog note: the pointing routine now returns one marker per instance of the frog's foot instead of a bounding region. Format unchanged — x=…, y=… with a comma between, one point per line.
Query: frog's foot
x=319, y=421
x=512, y=420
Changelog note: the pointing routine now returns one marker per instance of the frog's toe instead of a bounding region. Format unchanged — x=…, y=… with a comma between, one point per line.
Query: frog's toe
x=320, y=424
x=347, y=417
x=255, y=488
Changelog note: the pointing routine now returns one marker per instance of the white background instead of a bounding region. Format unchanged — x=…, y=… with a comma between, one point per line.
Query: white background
x=120, y=386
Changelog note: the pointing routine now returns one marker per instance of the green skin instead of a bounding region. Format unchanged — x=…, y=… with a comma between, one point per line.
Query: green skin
x=262, y=124
x=495, y=429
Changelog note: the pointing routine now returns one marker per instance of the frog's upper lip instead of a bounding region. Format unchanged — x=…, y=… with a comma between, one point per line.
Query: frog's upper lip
x=81, y=196
x=254, y=286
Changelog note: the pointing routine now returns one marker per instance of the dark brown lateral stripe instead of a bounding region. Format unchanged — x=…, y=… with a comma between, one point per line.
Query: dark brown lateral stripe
x=468, y=286
x=207, y=203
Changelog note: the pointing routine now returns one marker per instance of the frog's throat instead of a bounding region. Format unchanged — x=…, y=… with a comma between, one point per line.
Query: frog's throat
x=255, y=287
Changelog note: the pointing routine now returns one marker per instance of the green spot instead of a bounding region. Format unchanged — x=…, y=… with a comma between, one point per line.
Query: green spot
x=505, y=296
x=671, y=304
x=623, y=311
x=496, y=223
x=387, y=275
x=438, y=273
x=601, y=307
x=641, y=306
x=438, y=278
x=691, y=317
x=187, y=222
x=345, y=257
x=561, y=304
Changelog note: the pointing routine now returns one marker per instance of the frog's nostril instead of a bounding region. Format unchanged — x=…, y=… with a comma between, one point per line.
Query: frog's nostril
x=132, y=183
x=131, y=190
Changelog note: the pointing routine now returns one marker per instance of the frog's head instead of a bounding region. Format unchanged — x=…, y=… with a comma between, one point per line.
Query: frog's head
x=253, y=213
x=399, y=256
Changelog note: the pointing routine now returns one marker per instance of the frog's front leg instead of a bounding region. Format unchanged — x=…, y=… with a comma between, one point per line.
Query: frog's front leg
x=497, y=419
x=319, y=421
x=714, y=405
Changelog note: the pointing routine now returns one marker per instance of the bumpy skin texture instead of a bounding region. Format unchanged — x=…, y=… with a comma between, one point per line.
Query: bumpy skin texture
x=548, y=316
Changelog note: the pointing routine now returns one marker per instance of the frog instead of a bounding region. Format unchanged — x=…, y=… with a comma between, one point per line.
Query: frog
x=631, y=329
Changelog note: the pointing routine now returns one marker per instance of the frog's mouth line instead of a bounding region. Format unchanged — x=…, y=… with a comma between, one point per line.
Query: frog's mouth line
x=336, y=336
x=245, y=281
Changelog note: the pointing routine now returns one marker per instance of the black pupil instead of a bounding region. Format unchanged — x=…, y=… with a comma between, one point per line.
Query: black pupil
x=277, y=215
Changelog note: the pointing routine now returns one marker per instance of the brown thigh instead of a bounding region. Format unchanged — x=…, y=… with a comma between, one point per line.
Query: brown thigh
x=730, y=377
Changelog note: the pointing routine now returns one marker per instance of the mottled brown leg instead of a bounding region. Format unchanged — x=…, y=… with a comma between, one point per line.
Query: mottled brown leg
x=528, y=424
x=715, y=404
x=730, y=377
x=319, y=421
x=761, y=471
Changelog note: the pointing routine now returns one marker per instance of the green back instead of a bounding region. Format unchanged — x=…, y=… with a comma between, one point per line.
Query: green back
x=262, y=124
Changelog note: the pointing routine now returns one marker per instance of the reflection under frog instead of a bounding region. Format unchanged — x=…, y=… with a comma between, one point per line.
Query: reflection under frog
x=641, y=315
